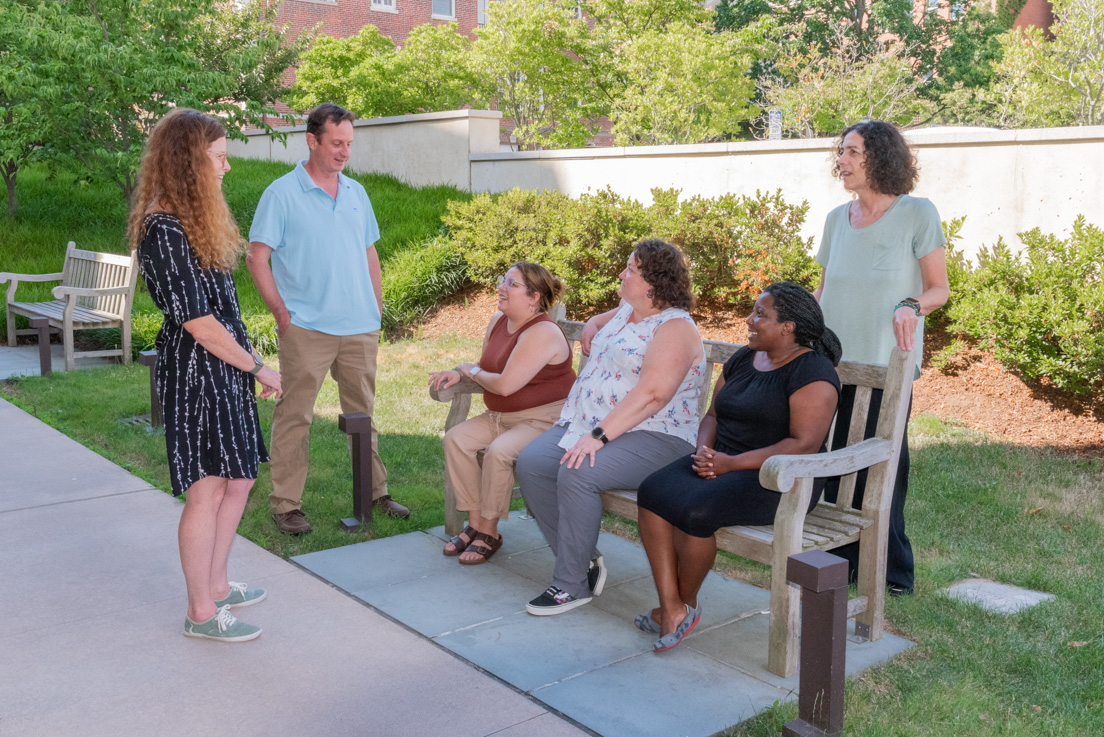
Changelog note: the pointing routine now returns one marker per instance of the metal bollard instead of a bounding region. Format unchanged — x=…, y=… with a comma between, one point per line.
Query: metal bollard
x=823, y=580
x=149, y=358
x=358, y=426
x=42, y=325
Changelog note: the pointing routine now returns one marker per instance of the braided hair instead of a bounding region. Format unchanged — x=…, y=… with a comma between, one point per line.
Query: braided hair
x=794, y=303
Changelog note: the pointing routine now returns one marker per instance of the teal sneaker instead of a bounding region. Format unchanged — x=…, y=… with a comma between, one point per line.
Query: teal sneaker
x=241, y=596
x=223, y=626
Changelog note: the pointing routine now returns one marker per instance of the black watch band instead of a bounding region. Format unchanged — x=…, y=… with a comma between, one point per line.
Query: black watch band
x=599, y=434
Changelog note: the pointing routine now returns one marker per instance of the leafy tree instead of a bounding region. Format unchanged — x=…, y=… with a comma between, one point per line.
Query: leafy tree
x=352, y=72
x=106, y=70
x=528, y=58
x=683, y=84
x=1059, y=81
x=433, y=69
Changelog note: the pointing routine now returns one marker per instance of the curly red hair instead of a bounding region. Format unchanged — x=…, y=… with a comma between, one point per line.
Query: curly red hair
x=176, y=176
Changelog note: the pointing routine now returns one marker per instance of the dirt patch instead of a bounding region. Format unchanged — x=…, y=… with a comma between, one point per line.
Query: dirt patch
x=974, y=389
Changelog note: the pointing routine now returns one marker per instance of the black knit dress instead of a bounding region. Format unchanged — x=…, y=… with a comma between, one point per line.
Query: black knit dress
x=753, y=411
x=210, y=409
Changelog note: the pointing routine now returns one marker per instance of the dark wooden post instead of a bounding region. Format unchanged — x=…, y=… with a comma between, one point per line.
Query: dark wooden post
x=42, y=325
x=823, y=580
x=149, y=358
x=358, y=426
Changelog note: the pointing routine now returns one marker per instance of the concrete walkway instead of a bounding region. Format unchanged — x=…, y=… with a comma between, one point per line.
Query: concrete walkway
x=92, y=604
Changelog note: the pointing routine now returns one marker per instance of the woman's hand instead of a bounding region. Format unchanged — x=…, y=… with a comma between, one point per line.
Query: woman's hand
x=586, y=446
x=270, y=383
x=466, y=368
x=439, y=380
x=709, y=464
x=904, y=327
x=590, y=329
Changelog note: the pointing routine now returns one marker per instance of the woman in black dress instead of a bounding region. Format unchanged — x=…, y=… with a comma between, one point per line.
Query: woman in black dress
x=776, y=396
x=187, y=245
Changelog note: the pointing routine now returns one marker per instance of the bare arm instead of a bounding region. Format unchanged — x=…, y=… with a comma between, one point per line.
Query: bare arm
x=217, y=340
x=442, y=379
x=261, y=271
x=811, y=410
x=937, y=289
x=537, y=347
x=820, y=287
x=674, y=349
x=377, y=276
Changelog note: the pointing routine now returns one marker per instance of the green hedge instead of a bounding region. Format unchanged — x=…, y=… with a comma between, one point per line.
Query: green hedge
x=736, y=245
x=1040, y=312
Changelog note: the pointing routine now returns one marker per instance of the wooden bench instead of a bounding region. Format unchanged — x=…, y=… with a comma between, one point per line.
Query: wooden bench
x=96, y=291
x=828, y=526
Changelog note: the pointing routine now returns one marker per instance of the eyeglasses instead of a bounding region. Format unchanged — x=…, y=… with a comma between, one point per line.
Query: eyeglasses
x=509, y=283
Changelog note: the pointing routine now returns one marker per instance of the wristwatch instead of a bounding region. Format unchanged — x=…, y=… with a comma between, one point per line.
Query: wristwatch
x=599, y=434
x=911, y=303
x=257, y=366
x=475, y=370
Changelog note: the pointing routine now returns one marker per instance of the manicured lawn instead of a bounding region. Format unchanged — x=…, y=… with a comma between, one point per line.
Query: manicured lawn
x=976, y=508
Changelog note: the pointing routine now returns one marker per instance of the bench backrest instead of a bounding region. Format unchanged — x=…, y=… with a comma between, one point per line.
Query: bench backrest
x=866, y=377
x=94, y=270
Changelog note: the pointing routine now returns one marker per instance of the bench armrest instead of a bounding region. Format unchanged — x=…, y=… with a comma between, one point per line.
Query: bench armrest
x=780, y=472
x=63, y=292
x=464, y=386
x=10, y=276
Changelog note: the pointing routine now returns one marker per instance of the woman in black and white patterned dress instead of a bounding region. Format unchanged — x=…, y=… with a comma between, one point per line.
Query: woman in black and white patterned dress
x=187, y=245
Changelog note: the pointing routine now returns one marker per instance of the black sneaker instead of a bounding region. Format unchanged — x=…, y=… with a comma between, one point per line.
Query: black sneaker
x=896, y=590
x=596, y=575
x=554, y=601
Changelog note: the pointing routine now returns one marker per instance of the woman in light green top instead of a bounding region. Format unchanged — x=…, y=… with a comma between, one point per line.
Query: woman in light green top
x=884, y=268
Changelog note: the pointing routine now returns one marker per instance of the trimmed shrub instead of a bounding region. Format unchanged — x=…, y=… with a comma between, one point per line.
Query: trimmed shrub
x=736, y=245
x=585, y=242
x=1040, y=312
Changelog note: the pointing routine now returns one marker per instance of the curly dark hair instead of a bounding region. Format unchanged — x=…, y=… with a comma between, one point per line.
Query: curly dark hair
x=794, y=303
x=890, y=164
x=665, y=267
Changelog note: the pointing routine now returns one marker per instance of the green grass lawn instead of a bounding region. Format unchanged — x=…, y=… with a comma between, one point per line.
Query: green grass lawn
x=976, y=508
x=56, y=207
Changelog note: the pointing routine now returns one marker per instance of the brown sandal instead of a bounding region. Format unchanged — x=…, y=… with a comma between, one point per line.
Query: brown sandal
x=458, y=544
x=484, y=545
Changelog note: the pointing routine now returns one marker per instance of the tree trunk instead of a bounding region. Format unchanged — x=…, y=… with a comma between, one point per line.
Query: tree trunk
x=9, y=170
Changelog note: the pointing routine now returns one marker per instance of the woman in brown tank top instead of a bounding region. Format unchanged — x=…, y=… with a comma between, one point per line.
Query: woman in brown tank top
x=525, y=371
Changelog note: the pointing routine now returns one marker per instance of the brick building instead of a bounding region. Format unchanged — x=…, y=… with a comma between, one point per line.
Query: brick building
x=394, y=18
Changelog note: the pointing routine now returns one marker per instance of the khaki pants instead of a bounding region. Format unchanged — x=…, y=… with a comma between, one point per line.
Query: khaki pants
x=502, y=435
x=305, y=357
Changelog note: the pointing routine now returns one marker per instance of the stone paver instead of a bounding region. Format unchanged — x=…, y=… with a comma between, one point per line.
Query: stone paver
x=22, y=360
x=589, y=664
x=996, y=597
x=92, y=607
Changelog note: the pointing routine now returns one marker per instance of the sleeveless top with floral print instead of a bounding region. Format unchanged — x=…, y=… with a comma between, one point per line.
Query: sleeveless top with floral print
x=616, y=355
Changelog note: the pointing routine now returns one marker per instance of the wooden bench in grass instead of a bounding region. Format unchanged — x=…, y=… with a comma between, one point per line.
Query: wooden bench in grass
x=828, y=526
x=96, y=291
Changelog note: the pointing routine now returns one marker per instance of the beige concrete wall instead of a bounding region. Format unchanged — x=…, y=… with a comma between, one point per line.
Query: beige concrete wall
x=424, y=149
x=1003, y=181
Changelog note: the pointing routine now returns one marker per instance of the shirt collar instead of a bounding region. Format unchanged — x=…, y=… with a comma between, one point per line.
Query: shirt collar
x=308, y=184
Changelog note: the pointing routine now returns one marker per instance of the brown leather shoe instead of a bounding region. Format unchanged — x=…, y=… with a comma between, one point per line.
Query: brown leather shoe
x=391, y=508
x=293, y=522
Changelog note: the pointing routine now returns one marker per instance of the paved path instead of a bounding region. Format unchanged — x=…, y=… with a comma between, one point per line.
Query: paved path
x=92, y=604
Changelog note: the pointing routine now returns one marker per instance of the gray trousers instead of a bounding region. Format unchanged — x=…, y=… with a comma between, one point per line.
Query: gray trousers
x=566, y=503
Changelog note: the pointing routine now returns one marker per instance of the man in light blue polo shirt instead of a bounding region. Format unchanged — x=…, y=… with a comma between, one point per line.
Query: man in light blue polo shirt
x=317, y=228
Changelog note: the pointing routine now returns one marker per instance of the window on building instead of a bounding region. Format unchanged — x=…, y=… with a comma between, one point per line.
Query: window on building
x=444, y=8
x=957, y=11
x=384, y=4
x=481, y=17
x=933, y=6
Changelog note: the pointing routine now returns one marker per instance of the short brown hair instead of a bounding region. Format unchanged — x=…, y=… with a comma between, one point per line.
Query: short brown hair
x=327, y=112
x=890, y=164
x=665, y=267
x=539, y=280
